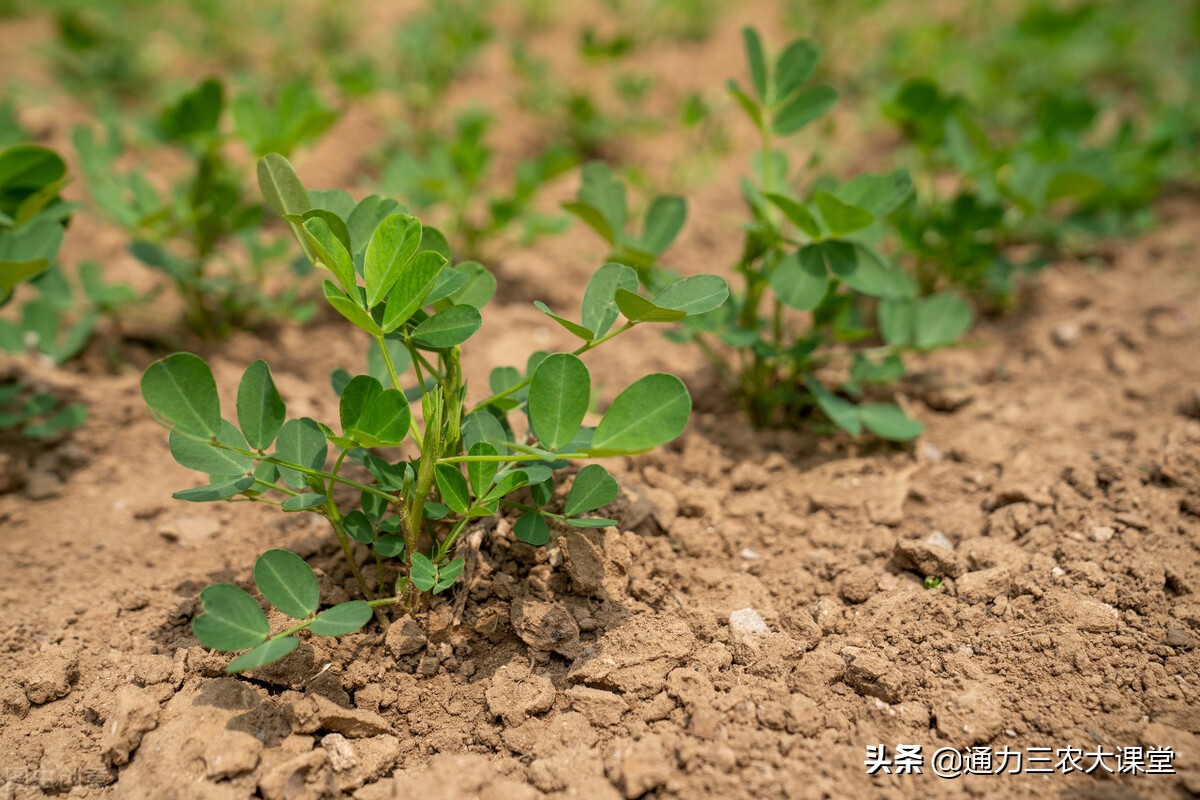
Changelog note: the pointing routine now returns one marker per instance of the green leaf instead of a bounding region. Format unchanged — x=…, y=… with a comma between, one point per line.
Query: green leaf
x=865, y=271
x=202, y=456
x=452, y=486
x=841, y=412
x=531, y=528
x=392, y=247
x=506, y=485
x=756, y=60
x=331, y=252
x=358, y=527
x=350, y=309
x=840, y=217
x=422, y=572
x=796, y=213
x=896, y=318
x=356, y=398
x=303, y=502
x=482, y=473
x=592, y=218
x=197, y=112
x=264, y=654
x=180, y=389
x=365, y=218
x=638, y=309
x=695, y=295
x=590, y=522
x=287, y=582
x=390, y=545
x=483, y=427
x=753, y=110
x=216, y=491
x=574, y=328
x=342, y=619
x=558, y=399
x=593, y=488
x=232, y=619
x=650, y=412
x=411, y=288
x=300, y=442
x=803, y=109
x=448, y=328
x=599, y=308
x=834, y=257
x=941, y=319
x=260, y=409
x=878, y=194
x=606, y=195
x=794, y=66
x=479, y=288
x=799, y=283
x=28, y=167
x=664, y=220
x=889, y=421
x=449, y=282
x=385, y=421
x=448, y=574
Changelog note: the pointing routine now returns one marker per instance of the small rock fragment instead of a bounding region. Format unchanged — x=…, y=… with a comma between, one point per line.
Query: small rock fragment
x=134, y=714
x=983, y=585
x=601, y=708
x=405, y=638
x=546, y=627
x=926, y=559
x=969, y=717
x=872, y=675
x=231, y=753
x=638, y=766
x=316, y=713
x=305, y=777
x=515, y=694
x=50, y=677
x=1065, y=334
x=754, y=644
x=857, y=585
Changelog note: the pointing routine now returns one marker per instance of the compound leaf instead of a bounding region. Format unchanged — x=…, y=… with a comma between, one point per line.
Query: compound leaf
x=391, y=248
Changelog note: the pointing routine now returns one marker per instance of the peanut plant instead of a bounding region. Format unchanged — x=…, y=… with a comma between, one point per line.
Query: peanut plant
x=205, y=234
x=33, y=218
x=394, y=281
x=812, y=258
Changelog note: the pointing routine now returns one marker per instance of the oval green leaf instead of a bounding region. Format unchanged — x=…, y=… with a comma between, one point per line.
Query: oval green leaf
x=342, y=619
x=287, y=582
x=266, y=653
x=260, y=409
x=695, y=295
x=651, y=412
x=180, y=388
x=411, y=288
x=452, y=486
x=280, y=186
x=422, y=572
x=448, y=328
x=558, y=399
x=593, y=488
x=889, y=421
x=232, y=619
x=392, y=247
x=300, y=442
x=599, y=308
x=531, y=528
x=799, y=283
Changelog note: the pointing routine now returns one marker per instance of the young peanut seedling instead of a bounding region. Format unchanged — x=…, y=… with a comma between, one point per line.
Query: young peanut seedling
x=191, y=233
x=393, y=280
x=32, y=220
x=811, y=258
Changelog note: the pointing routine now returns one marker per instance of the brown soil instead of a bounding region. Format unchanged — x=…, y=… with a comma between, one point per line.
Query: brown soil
x=755, y=623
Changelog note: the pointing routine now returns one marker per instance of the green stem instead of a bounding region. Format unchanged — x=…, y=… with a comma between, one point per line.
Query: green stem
x=387, y=360
x=444, y=546
x=503, y=459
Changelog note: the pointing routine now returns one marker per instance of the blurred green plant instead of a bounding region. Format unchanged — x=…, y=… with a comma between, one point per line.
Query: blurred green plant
x=203, y=233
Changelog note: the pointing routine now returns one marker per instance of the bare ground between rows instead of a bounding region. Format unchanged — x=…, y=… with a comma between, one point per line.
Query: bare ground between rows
x=1056, y=492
